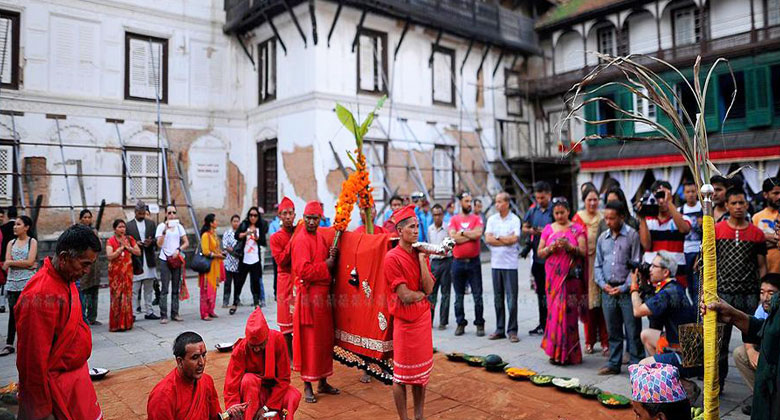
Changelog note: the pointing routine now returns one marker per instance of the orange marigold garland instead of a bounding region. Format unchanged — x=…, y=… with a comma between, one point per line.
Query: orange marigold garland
x=357, y=187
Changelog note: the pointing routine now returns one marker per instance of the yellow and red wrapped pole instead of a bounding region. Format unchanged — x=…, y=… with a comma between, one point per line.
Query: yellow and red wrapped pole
x=710, y=294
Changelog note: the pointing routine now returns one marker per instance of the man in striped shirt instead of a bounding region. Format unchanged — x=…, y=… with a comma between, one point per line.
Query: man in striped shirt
x=666, y=231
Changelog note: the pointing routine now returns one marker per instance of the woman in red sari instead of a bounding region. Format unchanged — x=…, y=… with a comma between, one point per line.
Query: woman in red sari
x=120, y=277
x=564, y=246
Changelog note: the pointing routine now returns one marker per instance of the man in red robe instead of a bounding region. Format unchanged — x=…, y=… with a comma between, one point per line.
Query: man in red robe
x=187, y=393
x=259, y=371
x=362, y=228
x=54, y=342
x=409, y=277
x=312, y=263
x=280, y=249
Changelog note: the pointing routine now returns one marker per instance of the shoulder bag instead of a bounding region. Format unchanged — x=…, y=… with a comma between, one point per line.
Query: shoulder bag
x=200, y=263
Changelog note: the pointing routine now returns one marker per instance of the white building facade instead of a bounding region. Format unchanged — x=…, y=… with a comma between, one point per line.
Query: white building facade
x=243, y=119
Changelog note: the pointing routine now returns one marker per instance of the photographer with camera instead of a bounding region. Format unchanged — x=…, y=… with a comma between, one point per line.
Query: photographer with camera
x=662, y=227
x=669, y=306
x=615, y=250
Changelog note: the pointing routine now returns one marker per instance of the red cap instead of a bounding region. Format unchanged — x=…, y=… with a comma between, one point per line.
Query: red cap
x=256, y=328
x=404, y=213
x=285, y=204
x=313, y=208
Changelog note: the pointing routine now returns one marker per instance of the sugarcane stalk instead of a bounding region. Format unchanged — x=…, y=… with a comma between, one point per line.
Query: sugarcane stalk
x=710, y=294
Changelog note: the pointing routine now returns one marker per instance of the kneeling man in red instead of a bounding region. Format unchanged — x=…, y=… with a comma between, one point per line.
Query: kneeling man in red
x=259, y=371
x=187, y=393
x=409, y=276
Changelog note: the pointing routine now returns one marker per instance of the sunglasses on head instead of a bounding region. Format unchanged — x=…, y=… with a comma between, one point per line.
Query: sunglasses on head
x=561, y=200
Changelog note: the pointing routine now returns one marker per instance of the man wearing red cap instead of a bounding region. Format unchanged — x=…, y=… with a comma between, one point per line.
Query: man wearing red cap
x=409, y=277
x=312, y=263
x=280, y=250
x=259, y=371
x=187, y=393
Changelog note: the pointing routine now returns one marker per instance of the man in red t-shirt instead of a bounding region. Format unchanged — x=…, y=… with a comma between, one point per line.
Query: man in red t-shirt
x=408, y=275
x=741, y=251
x=466, y=229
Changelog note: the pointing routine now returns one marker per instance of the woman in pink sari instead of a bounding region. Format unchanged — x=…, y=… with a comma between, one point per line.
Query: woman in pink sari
x=563, y=244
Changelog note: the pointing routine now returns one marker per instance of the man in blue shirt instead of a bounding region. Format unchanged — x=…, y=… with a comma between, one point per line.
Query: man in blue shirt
x=539, y=216
x=423, y=212
x=615, y=249
x=669, y=306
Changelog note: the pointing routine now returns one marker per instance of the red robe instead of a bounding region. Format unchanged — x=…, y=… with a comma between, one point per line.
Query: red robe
x=261, y=379
x=173, y=398
x=54, y=345
x=377, y=229
x=313, y=316
x=280, y=250
x=412, y=338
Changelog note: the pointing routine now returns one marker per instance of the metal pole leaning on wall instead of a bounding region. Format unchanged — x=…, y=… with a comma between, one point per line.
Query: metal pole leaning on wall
x=124, y=160
x=65, y=171
x=17, y=158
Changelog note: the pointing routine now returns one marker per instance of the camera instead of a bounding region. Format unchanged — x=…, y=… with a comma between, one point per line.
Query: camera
x=646, y=288
x=527, y=248
x=649, y=202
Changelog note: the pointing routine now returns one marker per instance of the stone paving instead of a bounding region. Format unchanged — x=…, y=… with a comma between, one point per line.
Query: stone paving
x=150, y=342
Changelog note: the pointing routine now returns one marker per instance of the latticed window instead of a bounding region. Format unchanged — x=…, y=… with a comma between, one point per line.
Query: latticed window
x=687, y=27
x=443, y=176
x=372, y=61
x=443, y=76
x=646, y=108
x=6, y=175
x=143, y=179
x=606, y=39
x=266, y=73
x=375, y=161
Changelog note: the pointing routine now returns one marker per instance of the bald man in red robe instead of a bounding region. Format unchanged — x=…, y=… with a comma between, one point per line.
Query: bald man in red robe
x=280, y=249
x=259, y=371
x=313, y=335
x=54, y=342
x=187, y=393
x=410, y=280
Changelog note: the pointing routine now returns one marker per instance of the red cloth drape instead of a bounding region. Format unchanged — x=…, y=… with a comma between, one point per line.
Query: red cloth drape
x=54, y=345
x=173, y=398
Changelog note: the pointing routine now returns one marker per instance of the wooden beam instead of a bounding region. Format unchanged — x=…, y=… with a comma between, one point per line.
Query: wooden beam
x=246, y=51
x=276, y=32
x=359, y=27
x=482, y=61
x=335, y=19
x=466, y=57
x=433, y=49
x=314, y=36
x=295, y=21
x=498, y=63
x=401, y=39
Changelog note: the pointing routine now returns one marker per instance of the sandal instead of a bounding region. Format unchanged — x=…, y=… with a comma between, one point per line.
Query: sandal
x=605, y=351
x=7, y=350
x=589, y=349
x=310, y=399
x=232, y=310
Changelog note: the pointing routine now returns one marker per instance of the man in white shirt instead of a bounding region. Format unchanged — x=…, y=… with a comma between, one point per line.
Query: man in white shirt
x=501, y=234
x=143, y=230
x=440, y=266
x=172, y=240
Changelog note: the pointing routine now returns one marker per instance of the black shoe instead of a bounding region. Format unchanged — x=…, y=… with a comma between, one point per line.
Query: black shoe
x=156, y=302
x=138, y=309
x=2, y=309
x=460, y=330
x=537, y=331
x=151, y=316
x=747, y=409
x=480, y=330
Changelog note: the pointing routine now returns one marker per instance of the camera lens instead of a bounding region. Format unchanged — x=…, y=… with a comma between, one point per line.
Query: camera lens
x=660, y=194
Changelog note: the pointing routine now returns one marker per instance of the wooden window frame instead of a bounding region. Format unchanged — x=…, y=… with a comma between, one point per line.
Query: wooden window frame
x=161, y=196
x=766, y=15
x=697, y=31
x=450, y=151
x=645, y=128
x=263, y=72
x=379, y=144
x=262, y=146
x=507, y=73
x=377, y=35
x=15, y=19
x=164, y=94
x=438, y=49
x=613, y=31
x=14, y=171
